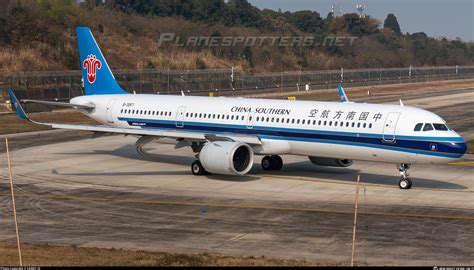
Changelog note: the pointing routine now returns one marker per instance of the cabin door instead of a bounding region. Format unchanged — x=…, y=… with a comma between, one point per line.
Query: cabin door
x=180, y=116
x=390, y=126
x=110, y=110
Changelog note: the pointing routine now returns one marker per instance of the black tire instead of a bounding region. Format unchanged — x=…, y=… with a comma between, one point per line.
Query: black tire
x=267, y=163
x=197, y=168
x=277, y=163
x=405, y=183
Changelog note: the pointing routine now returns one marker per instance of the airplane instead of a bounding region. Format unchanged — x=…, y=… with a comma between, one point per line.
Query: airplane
x=226, y=133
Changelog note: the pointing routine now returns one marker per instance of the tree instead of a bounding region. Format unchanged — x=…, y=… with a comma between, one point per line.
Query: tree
x=306, y=21
x=392, y=23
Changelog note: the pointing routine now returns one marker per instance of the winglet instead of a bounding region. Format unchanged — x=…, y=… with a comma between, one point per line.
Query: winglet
x=342, y=94
x=19, y=110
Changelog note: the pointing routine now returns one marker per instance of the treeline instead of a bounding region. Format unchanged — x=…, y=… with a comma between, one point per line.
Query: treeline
x=39, y=35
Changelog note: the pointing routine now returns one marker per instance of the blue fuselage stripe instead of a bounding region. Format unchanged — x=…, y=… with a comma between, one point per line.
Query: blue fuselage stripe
x=452, y=147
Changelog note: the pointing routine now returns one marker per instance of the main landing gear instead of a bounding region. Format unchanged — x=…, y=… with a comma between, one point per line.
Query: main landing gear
x=405, y=182
x=198, y=169
x=272, y=163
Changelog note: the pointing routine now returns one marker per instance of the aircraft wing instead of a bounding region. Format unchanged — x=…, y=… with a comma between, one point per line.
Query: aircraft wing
x=178, y=134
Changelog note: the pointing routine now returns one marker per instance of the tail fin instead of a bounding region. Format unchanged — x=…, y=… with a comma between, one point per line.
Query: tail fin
x=96, y=74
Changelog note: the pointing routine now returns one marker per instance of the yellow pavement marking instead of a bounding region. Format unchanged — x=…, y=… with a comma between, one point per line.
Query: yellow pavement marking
x=352, y=183
x=462, y=163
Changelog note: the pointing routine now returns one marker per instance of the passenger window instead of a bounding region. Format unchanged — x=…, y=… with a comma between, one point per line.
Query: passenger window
x=418, y=127
x=314, y=122
x=292, y=121
x=325, y=122
x=298, y=121
x=427, y=127
x=303, y=121
x=370, y=125
x=441, y=127
x=365, y=125
x=342, y=124
x=358, y=125
x=347, y=124
x=353, y=124
x=319, y=122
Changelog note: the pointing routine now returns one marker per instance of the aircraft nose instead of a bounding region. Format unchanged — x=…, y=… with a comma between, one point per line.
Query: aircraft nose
x=459, y=147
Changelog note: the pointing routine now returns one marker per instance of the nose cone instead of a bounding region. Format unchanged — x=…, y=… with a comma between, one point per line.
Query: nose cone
x=459, y=148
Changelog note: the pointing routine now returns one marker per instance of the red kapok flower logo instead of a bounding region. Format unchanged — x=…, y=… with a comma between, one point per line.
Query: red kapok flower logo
x=91, y=64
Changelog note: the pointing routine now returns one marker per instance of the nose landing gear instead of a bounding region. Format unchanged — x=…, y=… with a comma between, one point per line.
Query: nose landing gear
x=405, y=182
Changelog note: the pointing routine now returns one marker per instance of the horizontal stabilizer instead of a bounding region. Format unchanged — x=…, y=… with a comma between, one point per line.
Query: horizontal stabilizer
x=62, y=104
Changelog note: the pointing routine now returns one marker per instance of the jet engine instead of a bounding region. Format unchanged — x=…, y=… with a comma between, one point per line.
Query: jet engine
x=331, y=162
x=226, y=157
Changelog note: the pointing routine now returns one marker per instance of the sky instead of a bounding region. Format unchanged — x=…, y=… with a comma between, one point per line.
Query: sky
x=437, y=18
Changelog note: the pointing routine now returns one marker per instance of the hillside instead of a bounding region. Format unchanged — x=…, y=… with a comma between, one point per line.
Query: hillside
x=37, y=35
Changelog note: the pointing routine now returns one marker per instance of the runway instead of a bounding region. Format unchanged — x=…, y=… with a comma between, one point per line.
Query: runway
x=101, y=193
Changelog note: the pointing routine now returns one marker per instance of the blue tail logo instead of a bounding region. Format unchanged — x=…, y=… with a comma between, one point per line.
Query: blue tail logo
x=96, y=74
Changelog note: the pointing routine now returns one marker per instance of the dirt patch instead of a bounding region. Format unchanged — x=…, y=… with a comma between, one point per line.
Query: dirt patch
x=47, y=255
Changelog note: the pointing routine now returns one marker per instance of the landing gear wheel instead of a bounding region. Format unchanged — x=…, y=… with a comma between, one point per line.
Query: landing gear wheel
x=272, y=163
x=197, y=168
x=405, y=183
x=277, y=163
x=267, y=163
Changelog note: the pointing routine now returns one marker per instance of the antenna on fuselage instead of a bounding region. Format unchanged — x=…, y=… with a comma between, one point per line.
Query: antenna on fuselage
x=182, y=93
x=401, y=103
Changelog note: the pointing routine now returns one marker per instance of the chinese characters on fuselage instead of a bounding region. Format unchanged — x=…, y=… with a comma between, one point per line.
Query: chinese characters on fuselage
x=350, y=115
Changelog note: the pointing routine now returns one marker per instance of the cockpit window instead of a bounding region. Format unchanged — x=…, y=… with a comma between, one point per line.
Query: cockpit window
x=428, y=127
x=418, y=127
x=442, y=127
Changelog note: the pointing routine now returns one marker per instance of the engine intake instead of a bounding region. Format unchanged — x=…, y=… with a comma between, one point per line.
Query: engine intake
x=225, y=157
x=331, y=162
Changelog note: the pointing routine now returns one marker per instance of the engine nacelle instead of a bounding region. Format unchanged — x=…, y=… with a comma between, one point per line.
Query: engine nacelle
x=225, y=157
x=331, y=162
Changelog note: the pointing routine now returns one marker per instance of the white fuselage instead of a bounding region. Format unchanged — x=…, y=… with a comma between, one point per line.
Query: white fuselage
x=374, y=132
